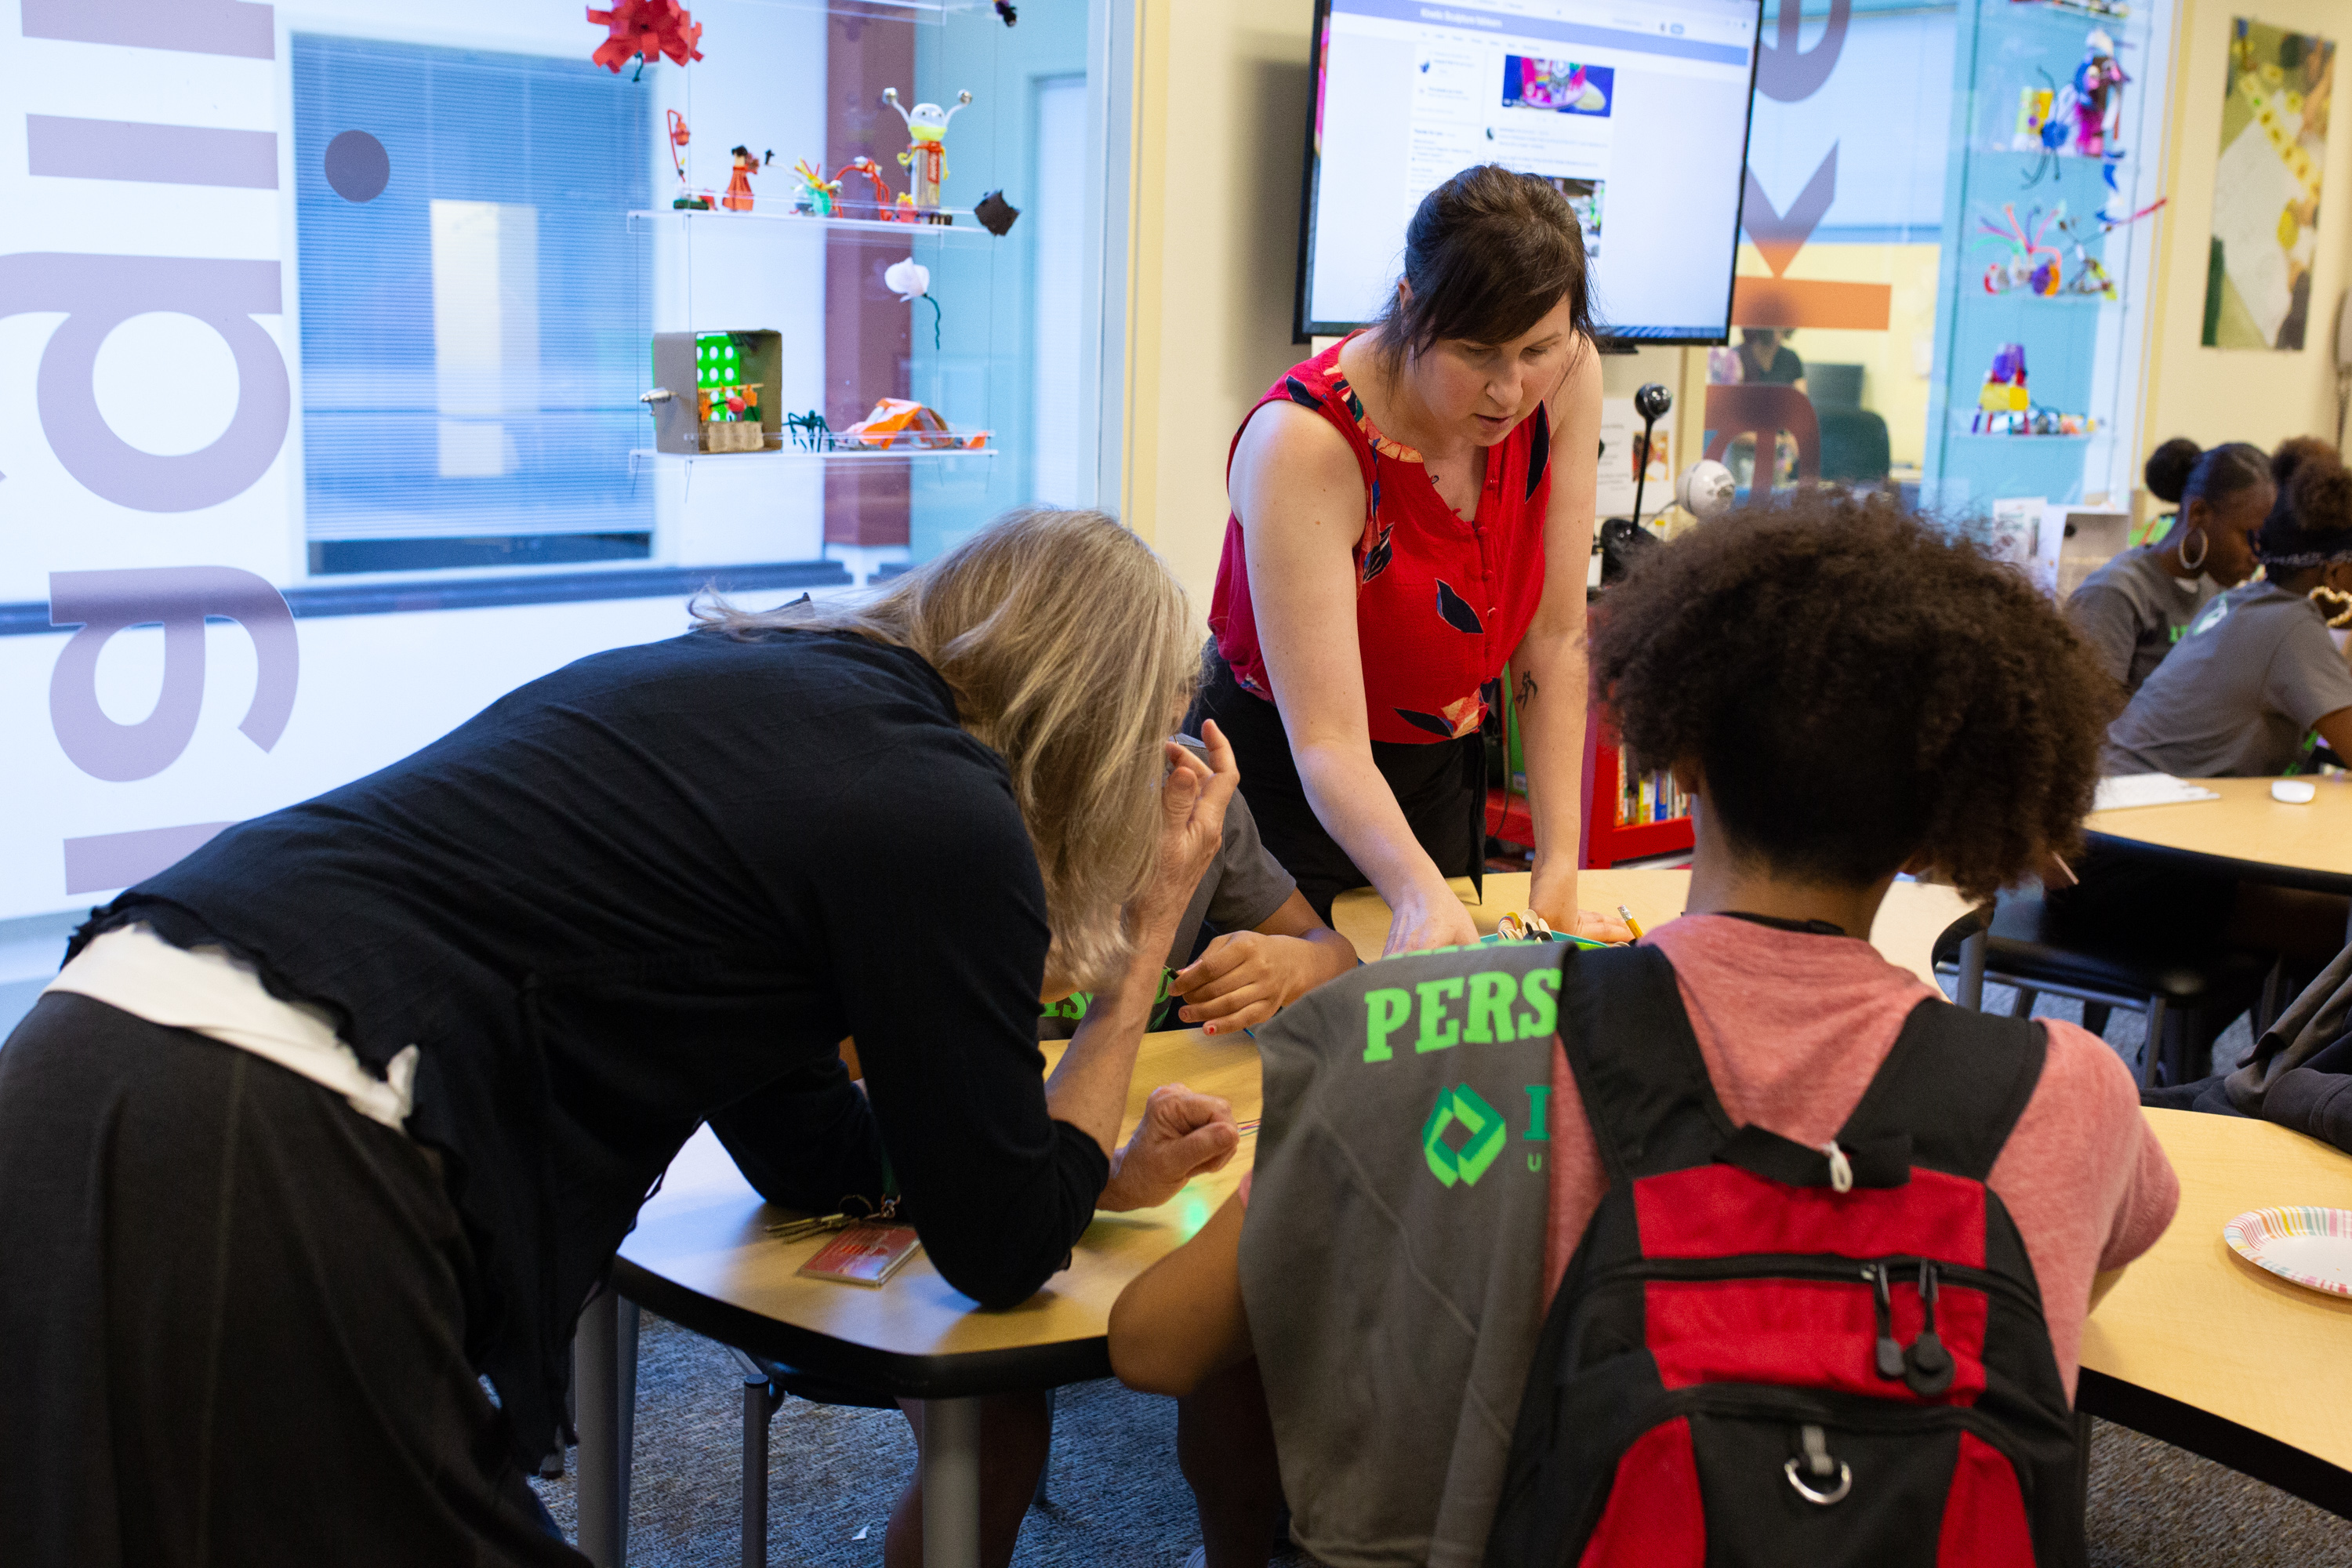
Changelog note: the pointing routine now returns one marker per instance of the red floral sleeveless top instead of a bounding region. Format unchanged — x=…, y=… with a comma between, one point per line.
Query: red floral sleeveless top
x=1441, y=602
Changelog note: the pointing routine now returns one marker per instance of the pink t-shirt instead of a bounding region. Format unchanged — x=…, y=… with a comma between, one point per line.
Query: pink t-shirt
x=1794, y=1026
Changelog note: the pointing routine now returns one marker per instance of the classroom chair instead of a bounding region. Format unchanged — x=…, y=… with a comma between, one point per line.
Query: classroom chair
x=2188, y=1000
x=765, y=1385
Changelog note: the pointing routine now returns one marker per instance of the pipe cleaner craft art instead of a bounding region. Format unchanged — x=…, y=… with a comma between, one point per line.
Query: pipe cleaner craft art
x=911, y=280
x=926, y=157
x=2049, y=270
x=687, y=199
x=869, y=171
x=646, y=28
x=2082, y=118
x=737, y=198
x=2004, y=407
x=818, y=194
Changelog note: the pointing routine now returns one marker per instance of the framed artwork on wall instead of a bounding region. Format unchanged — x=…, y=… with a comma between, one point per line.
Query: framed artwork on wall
x=2266, y=187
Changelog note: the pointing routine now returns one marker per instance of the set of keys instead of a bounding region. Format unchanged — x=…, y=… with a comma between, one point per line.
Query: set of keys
x=800, y=1229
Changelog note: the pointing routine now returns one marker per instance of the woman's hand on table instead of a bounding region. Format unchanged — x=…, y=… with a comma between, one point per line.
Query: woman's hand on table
x=1429, y=918
x=1183, y=1135
x=1554, y=897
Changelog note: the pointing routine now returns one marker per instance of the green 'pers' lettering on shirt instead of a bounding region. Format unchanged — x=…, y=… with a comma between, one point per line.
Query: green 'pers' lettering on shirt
x=1538, y=1115
x=1433, y=1013
x=1539, y=988
x=1385, y=1011
x=1492, y=992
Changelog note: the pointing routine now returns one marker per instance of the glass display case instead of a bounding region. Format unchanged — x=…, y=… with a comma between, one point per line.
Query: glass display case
x=2050, y=207
x=818, y=179
x=336, y=389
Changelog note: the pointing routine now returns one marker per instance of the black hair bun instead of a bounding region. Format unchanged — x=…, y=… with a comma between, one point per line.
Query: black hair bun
x=2321, y=494
x=2295, y=451
x=2167, y=467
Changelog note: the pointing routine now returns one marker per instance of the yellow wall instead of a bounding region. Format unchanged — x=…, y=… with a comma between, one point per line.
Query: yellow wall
x=1895, y=362
x=1222, y=98
x=1221, y=94
x=2240, y=394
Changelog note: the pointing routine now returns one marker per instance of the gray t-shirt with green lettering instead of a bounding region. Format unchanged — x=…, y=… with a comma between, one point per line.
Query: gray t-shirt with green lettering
x=2239, y=694
x=2131, y=611
x=1391, y=1260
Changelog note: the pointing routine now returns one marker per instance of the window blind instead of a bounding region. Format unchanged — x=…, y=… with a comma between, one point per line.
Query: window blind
x=471, y=337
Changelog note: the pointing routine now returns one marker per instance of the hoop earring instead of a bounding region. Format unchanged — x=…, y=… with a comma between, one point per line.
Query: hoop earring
x=2334, y=599
x=2204, y=548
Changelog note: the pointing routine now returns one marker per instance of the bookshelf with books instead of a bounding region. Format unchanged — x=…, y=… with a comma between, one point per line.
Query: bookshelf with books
x=1628, y=815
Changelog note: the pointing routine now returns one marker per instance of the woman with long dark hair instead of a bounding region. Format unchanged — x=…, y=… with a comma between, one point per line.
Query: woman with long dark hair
x=1412, y=510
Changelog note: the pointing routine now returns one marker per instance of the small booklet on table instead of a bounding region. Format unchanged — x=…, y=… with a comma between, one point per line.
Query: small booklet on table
x=863, y=1255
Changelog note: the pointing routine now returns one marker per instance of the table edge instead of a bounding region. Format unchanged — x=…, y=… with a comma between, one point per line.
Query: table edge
x=953, y=1374
x=2274, y=872
x=2216, y=1438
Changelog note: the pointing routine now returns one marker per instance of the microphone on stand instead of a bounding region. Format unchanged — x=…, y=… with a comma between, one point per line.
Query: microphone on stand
x=1651, y=402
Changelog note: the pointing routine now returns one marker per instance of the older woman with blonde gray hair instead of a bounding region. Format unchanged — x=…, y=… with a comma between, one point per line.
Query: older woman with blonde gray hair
x=359, y=1098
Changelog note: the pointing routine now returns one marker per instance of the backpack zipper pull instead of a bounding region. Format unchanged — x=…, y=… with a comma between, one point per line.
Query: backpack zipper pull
x=1841, y=1168
x=1927, y=1365
x=1890, y=1354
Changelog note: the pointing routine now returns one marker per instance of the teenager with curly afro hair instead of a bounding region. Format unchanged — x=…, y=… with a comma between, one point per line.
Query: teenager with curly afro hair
x=1849, y=692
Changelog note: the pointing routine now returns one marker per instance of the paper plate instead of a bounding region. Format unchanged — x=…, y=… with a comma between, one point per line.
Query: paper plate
x=2312, y=1247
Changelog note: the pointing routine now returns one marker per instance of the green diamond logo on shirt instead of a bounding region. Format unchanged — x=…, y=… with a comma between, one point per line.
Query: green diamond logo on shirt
x=2212, y=617
x=1482, y=1125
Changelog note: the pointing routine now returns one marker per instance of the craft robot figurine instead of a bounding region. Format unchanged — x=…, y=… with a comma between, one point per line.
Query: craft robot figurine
x=926, y=157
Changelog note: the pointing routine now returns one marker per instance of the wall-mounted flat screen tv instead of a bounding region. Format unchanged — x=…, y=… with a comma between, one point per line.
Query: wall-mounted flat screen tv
x=1637, y=109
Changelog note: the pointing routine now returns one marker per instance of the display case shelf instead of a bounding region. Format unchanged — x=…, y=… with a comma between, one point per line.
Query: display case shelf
x=642, y=457
x=956, y=233
x=933, y=12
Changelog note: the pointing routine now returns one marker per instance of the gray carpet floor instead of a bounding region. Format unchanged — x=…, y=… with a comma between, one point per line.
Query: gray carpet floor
x=1114, y=1496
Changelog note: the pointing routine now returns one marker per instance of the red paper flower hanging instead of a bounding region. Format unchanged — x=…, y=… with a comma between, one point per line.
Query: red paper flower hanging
x=646, y=28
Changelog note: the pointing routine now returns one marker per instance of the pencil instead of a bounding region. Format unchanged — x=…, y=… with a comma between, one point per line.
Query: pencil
x=1630, y=924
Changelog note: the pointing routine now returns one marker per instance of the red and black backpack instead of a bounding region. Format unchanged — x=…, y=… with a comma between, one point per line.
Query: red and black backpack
x=1765, y=1353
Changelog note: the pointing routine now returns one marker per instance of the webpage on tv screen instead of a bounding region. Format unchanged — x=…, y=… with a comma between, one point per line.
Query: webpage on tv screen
x=1643, y=134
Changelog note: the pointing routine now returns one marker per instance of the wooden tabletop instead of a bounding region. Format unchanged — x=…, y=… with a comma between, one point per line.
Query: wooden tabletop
x=1913, y=915
x=2196, y=1325
x=701, y=1256
x=2312, y=845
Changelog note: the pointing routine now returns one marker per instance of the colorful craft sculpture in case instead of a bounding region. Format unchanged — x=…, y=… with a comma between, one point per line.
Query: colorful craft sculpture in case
x=899, y=423
x=2003, y=407
x=726, y=406
x=646, y=28
x=818, y=194
x=737, y=198
x=686, y=199
x=925, y=159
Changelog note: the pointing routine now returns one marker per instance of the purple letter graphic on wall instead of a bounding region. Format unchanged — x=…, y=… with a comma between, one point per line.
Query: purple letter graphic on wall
x=192, y=26
x=180, y=598
x=99, y=293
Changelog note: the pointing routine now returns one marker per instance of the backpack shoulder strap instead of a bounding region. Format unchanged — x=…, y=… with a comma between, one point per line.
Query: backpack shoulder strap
x=1637, y=1064
x=1956, y=1082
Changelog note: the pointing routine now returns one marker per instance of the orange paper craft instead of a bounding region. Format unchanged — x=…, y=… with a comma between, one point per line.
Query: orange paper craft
x=895, y=421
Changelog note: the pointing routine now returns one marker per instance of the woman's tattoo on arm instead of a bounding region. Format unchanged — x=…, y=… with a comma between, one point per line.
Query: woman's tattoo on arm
x=1527, y=692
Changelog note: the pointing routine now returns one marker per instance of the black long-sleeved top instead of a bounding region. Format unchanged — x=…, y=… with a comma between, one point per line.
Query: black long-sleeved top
x=656, y=888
